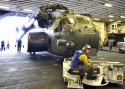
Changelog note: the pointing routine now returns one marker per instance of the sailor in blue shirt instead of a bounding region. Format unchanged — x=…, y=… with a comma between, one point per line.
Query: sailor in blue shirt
x=80, y=61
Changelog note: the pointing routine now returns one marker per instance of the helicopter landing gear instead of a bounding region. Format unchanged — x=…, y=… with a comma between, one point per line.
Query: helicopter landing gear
x=32, y=53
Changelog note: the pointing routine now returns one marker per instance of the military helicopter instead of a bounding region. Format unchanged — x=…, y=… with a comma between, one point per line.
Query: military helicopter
x=65, y=31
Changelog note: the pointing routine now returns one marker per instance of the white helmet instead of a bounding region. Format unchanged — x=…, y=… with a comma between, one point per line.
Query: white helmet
x=86, y=47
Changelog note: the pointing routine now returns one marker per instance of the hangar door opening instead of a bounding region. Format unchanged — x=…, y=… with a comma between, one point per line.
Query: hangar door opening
x=9, y=32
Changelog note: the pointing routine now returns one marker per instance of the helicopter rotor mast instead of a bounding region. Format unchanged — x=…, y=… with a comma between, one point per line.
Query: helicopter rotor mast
x=53, y=7
x=42, y=15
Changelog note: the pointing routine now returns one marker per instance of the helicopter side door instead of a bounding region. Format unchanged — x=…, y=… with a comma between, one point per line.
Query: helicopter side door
x=57, y=35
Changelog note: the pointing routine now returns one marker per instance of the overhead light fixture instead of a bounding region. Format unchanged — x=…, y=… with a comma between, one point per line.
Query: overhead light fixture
x=28, y=10
x=110, y=16
x=119, y=21
x=6, y=0
x=108, y=4
x=96, y=19
x=4, y=7
x=122, y=16
x=111, y=20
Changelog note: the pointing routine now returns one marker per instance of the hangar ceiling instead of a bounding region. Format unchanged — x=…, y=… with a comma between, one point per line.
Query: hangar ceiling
x=97, y=8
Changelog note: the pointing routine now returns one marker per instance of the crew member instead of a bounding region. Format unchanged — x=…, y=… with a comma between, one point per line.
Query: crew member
x=2, y=45
x=80, y=63
x=19, y=43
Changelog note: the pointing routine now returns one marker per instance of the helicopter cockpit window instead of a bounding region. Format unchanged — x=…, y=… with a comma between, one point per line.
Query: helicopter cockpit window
x=89, y=21
x=82, y=20
x=59, y=27
x=68, y=21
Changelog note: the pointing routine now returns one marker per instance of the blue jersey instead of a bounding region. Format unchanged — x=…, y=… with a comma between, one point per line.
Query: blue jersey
x=19, y=43
x=75, y=62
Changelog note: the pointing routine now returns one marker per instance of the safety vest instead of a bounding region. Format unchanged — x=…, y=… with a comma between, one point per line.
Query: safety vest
x=75, y=62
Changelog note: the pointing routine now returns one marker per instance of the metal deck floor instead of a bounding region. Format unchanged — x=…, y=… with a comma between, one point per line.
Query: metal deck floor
x=42, y=71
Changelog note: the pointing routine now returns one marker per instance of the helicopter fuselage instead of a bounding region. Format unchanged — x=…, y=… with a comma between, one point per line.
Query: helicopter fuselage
x=65, y=35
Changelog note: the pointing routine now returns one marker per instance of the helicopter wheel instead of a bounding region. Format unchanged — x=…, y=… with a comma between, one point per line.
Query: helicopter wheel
x=30, y=52
x=34, y=53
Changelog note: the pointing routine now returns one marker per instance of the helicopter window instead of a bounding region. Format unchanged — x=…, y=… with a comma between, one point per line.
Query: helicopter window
x=55, y=24
x=68, y=21
x=59, y=27
x=82, y=20
x=71, y=20
x=89, y=21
